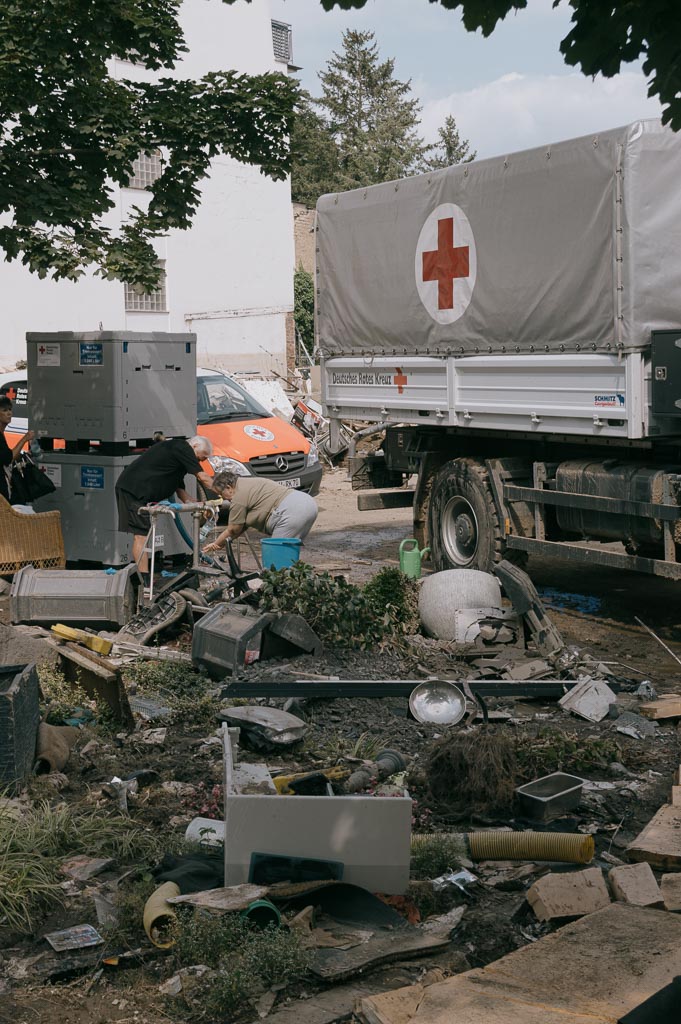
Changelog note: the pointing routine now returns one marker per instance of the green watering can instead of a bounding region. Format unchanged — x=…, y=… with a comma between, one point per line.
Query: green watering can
x=410, y=558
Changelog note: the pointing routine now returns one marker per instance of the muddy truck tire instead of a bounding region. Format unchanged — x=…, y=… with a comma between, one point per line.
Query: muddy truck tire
x=464, y=527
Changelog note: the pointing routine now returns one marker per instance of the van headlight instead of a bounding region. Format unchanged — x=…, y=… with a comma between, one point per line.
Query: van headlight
x=222, y=464
x=313, y=454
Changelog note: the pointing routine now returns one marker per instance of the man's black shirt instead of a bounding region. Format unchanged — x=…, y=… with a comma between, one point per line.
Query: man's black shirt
x=157, y=473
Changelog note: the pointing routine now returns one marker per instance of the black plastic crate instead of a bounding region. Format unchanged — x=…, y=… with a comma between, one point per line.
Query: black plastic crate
x=19, y=720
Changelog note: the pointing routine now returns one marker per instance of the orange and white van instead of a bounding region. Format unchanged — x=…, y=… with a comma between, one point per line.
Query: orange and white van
x=246, y=438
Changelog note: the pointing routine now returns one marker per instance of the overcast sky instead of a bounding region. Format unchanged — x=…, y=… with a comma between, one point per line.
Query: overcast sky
x=508, y=92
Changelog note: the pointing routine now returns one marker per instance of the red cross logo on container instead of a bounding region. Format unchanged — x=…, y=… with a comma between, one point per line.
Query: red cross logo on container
x=446, y=263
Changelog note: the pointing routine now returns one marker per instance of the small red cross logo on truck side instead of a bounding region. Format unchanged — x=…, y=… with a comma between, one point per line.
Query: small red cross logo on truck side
x=11, y=392
x=446, y=263
x=400, y=380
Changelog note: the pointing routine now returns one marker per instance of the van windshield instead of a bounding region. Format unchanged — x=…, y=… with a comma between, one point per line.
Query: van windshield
x=219, y=399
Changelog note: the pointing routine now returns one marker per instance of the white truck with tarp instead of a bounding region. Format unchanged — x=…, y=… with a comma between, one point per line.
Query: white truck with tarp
x=513, y=326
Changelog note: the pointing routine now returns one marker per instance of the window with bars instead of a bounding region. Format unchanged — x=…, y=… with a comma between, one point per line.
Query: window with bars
x=145, y=170
x=147, y=302
x=282, y=41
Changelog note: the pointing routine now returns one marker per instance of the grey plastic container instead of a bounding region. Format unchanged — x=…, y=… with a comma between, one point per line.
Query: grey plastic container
x=550, y=796
x=86, y=497
x=223, y=637
x=19, y=720
x=92, y=597
x=112, y=386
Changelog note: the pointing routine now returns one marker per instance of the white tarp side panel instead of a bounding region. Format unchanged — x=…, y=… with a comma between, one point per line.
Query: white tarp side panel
x=652, y=232
x=502, y=255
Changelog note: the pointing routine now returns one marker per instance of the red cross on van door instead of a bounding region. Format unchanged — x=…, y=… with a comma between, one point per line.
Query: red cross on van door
x=445, y=265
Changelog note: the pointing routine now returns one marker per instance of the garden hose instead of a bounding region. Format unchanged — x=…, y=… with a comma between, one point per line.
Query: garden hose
x=567, y=847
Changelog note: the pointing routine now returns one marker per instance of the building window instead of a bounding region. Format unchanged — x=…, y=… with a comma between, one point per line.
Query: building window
x=282, y=41
x=145, y=170
x=147, y=302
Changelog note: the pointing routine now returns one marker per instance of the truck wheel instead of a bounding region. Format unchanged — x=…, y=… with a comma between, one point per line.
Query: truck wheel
x=464, y=526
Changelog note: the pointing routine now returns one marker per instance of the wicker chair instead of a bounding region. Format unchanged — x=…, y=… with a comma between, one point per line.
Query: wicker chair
x=30, y=540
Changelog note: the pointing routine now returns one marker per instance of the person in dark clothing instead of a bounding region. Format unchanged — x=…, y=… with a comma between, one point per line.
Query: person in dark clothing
x=156, y=475
x=9, y=455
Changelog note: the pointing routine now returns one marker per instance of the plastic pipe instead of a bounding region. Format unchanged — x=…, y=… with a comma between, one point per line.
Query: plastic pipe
x=565, y=847
x=159, y=916
x=261, y=914
x=570, y=847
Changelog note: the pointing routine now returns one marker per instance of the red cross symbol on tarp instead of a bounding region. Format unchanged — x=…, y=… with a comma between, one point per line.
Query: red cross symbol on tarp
x=42, y=350
x=446, y=263
x=10, y=392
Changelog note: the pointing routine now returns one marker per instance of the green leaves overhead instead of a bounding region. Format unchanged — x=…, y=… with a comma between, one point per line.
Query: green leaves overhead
x=69, y=130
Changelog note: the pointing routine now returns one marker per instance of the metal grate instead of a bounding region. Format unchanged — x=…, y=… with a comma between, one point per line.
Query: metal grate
x=147, y=302
x=289, y=462
x=146, y=169
x=282, y=41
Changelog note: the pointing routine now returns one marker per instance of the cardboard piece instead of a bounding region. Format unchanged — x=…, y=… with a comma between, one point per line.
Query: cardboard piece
x=591, y=971
x=670, y=886
x=636, y=883
x=668, y=706
x=660, y=841
x=570, y=894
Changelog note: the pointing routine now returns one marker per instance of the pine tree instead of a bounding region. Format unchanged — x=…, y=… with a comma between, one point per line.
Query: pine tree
x=371, y=114
x=450, y=148
x=314, y=155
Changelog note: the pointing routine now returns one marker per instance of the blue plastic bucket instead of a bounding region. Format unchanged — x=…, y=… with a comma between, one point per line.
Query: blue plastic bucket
x=280, y=552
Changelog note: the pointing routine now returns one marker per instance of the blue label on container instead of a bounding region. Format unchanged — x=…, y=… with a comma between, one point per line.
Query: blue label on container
x=92, y=476
x=91, y=353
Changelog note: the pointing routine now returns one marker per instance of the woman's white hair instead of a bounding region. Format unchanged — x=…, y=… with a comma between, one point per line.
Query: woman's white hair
x=201, y=444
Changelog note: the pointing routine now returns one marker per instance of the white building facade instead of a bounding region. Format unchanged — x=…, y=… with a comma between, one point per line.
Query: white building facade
x=229, y=278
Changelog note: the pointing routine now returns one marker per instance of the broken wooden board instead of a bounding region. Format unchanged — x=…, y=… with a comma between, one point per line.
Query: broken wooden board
x=660, y=841
x=589, y=972
x=225, y=899
x=668, y=706
x=387, y=945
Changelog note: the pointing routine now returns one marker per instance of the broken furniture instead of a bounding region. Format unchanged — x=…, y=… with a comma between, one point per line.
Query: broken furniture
x=233, y=635
x=29, y=540
x=94, y=597
x=19, y=719
x=522, y=593
x=592, y=971
x=369, y=835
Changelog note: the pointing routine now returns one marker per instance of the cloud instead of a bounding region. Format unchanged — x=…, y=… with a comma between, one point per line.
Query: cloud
x=518, y=111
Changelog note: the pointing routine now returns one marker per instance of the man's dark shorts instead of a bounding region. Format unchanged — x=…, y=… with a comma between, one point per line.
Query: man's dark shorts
x=129, y=518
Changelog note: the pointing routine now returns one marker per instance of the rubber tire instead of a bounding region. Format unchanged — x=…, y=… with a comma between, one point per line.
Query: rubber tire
x=468, y=479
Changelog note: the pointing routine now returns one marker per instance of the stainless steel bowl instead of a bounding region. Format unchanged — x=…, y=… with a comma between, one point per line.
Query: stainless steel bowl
x=437, y=702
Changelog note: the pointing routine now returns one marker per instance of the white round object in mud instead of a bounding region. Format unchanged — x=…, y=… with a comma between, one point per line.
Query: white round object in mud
x=444, y=593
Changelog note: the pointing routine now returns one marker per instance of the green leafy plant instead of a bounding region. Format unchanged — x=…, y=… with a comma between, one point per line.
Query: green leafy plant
x=552, y=750
x=394, y=596
x=182, y=688
x=247, y=960
x=341, y=613
x=303, y=306
x=59, y=695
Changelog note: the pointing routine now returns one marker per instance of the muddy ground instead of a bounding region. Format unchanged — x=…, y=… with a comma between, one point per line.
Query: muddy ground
x=593, y=608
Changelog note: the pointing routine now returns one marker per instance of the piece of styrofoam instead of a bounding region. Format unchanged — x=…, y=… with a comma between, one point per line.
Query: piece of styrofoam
x=590, y=699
